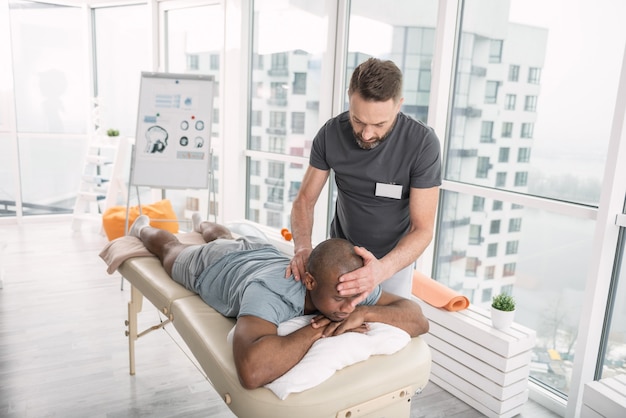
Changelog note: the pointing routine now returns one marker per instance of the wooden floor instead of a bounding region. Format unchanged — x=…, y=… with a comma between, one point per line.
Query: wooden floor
x=63, y=352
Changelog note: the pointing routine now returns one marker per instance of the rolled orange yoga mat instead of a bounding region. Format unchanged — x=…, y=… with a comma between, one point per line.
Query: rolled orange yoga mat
x=437, y=294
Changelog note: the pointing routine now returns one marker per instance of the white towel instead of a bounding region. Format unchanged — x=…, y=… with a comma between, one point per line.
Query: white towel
x=328, y=355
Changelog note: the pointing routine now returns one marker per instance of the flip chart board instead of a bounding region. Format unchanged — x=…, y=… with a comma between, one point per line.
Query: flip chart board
x=173, y=140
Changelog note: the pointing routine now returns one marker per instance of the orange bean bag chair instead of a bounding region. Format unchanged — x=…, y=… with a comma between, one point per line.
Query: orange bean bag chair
x=114, y=218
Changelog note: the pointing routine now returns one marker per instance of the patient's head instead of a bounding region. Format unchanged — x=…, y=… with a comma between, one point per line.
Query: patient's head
x=328, y=261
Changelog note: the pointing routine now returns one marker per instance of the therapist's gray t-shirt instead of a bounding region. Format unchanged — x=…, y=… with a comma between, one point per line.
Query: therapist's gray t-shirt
x=252, y=282
x=407, y=158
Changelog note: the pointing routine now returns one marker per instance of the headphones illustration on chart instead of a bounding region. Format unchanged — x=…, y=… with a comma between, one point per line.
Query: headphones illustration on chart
x=156, y=137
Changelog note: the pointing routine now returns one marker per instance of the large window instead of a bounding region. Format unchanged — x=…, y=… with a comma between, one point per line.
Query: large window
x=533, y=42
x=51, y=103
x=284, y=105
x=559, y=133
x=121, y=39
x=8, y=168
x=545, y=260
x=122, y=47
x=404, y=34
x=194, y=39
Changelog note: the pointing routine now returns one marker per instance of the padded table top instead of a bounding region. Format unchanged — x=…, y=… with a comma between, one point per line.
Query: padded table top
x=149, y=277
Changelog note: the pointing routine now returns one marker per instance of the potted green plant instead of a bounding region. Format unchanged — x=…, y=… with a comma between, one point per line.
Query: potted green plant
x=502, y=311
x=113, y=132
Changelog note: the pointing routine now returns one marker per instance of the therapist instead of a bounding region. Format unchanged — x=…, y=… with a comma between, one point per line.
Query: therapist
x=387, y=170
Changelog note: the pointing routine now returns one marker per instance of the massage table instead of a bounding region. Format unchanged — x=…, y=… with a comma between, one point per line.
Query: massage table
x=382, y=385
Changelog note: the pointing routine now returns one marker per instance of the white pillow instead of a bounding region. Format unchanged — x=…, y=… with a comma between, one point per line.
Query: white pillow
x=328, y=355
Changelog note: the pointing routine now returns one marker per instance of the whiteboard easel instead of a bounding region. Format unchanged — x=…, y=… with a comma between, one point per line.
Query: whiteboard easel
x=172, y=149
x=173, y=138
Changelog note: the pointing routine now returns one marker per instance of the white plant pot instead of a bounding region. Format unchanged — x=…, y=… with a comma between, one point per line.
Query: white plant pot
x=502, y=319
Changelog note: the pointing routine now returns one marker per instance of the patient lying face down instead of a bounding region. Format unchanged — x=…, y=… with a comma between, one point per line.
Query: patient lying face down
x=243, y=278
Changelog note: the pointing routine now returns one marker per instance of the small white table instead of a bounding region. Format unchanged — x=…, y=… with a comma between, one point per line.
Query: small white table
x=484, y=367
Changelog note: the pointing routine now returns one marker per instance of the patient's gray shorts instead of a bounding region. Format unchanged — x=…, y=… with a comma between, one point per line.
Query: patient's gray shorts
x=193, y=260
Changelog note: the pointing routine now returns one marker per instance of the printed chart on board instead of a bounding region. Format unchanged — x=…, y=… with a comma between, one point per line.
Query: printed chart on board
x=173, y=139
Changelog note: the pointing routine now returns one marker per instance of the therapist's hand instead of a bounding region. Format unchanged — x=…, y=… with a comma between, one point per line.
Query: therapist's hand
x=362, y=280
x=297, y=266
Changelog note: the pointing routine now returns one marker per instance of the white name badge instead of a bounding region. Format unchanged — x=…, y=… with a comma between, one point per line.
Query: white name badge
x=393, y=191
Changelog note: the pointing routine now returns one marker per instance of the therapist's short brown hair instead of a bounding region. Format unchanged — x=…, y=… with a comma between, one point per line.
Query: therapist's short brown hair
x=376, y=80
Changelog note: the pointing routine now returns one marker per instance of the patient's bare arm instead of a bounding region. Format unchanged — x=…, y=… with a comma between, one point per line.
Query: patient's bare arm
x=261, y=356
x=390, y=309
x=398, y=311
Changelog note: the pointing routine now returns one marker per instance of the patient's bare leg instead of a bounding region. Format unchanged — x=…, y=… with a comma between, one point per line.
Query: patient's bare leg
x=159, y=242
x=210, y=231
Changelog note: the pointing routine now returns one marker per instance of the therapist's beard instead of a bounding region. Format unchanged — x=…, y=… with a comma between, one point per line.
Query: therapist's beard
x=358, y=138
x=370, y=144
